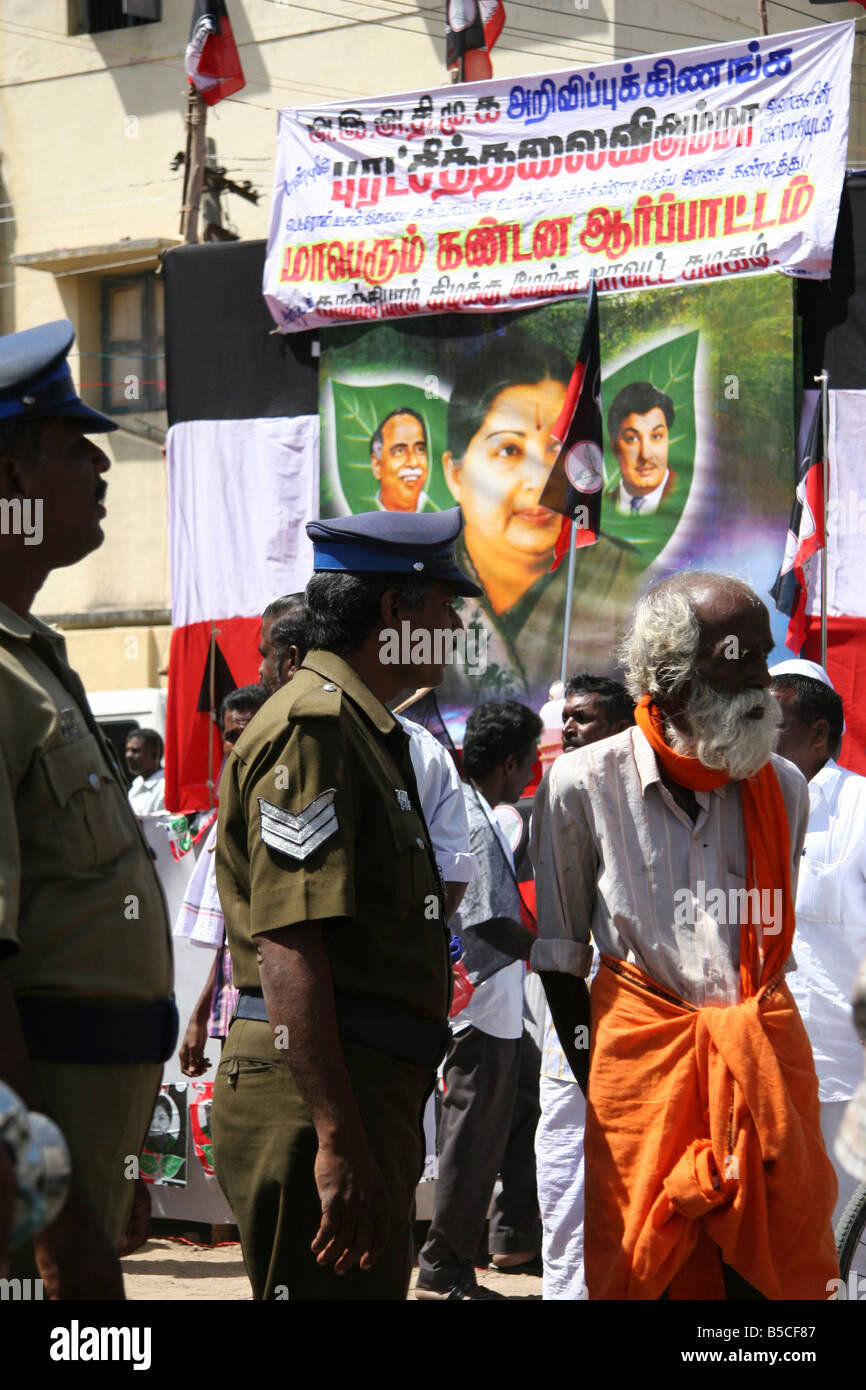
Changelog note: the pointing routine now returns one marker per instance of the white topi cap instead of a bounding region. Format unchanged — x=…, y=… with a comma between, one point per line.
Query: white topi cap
x=797, y=666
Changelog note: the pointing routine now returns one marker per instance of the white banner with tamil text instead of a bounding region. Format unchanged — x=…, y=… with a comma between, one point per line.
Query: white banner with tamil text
x=669, y=169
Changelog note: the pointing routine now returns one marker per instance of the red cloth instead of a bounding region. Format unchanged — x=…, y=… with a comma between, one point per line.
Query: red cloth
x=188, y=728
x=846, y=667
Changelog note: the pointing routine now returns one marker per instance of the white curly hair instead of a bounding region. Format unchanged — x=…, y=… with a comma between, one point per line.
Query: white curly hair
x=659, y=650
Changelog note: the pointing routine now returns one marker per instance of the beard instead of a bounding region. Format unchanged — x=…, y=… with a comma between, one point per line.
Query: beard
x=726, y=732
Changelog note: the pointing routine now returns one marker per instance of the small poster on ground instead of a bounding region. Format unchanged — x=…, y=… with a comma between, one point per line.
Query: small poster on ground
x=163, y=1157
x=199, y=1119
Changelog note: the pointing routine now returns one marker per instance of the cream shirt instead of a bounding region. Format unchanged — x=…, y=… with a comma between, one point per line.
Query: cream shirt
x=618, y=862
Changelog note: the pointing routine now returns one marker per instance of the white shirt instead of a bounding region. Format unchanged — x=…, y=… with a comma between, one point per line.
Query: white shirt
x=831, y=926
x=496, y=1007
x=615, y=857
x=200, y=918
x=441, y=795
x=649, y=501
x=550, y=745
x=147, y=794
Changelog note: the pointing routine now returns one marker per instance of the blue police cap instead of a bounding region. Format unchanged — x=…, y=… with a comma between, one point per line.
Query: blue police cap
x=35, y=380
x=392, y=543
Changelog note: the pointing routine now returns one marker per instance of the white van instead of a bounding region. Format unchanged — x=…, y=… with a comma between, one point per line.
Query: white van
x=118, y=712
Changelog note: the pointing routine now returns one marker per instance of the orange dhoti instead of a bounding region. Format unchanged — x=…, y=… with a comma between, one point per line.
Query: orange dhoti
x=703, y=1139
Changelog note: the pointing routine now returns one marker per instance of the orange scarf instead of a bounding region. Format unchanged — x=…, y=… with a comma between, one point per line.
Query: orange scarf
x=768, y=848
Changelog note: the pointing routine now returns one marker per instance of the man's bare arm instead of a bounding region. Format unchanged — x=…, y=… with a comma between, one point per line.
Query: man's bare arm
x=568, y=998
x=192, y=1059
x=299, y=993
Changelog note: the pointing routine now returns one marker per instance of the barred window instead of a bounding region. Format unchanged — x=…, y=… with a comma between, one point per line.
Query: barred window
x=133, y=344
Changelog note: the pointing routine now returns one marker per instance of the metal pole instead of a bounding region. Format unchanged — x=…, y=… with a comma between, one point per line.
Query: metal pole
x=569, y=594
x=212, y=715
x=824, y=380
x=762, y=16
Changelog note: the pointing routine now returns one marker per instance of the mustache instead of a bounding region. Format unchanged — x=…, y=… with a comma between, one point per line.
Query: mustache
x=101, y=490
x=735, y=733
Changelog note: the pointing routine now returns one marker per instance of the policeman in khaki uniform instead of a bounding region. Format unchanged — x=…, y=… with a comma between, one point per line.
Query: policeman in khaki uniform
x=86, y=1016
x=336, y=924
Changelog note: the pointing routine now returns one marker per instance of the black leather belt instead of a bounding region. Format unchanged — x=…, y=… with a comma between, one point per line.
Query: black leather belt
x=64, y=1030
x=371, y=1023
x=251, y=1004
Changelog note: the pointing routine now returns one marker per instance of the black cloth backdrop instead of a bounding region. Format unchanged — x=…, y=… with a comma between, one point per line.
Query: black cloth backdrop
x=833, y=312
x=224, y=362
x=223, y=359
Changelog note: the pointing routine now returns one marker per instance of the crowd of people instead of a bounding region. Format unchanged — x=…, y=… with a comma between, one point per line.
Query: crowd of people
x=684, y=1126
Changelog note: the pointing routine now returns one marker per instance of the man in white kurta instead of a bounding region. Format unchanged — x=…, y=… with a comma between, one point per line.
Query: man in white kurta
x=594, y=708
x=831, y=895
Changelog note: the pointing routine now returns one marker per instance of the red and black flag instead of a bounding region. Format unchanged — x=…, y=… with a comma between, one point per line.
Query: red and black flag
x=212, y=61
x=576, y=479
x=805, y=536
x=472, y=28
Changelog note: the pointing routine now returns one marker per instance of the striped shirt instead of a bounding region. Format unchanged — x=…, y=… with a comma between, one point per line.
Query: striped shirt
x=617, y=861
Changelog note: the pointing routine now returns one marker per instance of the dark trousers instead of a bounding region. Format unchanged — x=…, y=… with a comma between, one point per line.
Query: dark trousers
x=265, y=1148
x=515, y=1225
x=487, y=1127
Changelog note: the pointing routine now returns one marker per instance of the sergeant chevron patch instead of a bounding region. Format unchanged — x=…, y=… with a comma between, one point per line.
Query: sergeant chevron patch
x=298, y=836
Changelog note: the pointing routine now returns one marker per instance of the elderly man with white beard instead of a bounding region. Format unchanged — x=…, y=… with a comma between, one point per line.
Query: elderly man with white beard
x=675, y=846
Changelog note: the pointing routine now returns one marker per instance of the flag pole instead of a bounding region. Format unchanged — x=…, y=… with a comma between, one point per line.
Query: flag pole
x=572, y=552
x=824, y=380
x=569, y=595
x=212, y=712
x=193, y=182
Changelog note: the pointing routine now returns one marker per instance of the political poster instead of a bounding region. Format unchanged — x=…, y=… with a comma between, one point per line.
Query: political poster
x=163, y=1156
x=200, y=1108
x=698, y=397
x=665, y=170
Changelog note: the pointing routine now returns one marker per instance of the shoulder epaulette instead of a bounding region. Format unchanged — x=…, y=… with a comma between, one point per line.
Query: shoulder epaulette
x=319, y=701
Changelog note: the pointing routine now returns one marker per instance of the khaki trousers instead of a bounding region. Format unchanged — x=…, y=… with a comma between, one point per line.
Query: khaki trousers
x=265, y=1147
x=104, y=1113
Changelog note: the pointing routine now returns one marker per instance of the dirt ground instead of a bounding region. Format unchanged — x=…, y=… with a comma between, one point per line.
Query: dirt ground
x=173, y=1269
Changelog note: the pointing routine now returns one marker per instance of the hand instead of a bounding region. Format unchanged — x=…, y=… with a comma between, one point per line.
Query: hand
x=75, y=1256
x=356, y=1222
x=138, y=1225
x=192, y=1059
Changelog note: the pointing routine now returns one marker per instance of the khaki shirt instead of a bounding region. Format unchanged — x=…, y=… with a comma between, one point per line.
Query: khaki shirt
x=82, y=914
x=371, y=878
